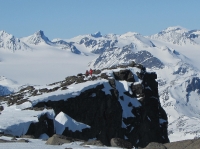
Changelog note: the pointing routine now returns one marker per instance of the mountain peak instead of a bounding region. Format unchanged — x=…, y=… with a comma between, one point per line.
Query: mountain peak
x=4, y=34
x=129, y=34
x=175, y=35
x=39, y=33
x=8, y=41
x=97, y=34
x=175, y=28
x=37, y=38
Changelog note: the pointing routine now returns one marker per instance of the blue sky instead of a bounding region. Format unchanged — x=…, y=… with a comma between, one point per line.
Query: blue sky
x=69, y=18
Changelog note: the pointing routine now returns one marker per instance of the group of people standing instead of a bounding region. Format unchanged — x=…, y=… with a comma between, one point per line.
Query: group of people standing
x=87, y=73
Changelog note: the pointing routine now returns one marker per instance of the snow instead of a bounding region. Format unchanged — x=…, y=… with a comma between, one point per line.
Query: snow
x=33, y=67
x=16, y=121
x=72, y=91
x=40, y=143
x=44, y=136
x=179, y=28
x=24, y=63
x=62, y=120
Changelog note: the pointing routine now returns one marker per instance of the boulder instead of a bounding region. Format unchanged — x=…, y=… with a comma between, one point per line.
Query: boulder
x=124, y=75
x=117, y=142
x=59, y=140
x=1, y=108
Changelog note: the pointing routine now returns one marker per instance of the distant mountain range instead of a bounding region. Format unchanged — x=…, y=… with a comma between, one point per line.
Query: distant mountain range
x=99, y=43
x=172, y=53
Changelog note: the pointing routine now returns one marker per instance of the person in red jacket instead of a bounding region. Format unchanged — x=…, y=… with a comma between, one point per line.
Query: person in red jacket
x=91, y=71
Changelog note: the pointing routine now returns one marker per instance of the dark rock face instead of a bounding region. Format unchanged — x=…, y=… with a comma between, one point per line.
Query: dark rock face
x=193, y=84
x=101, y=46
x=4, y=91
x=68, y=46
x=151, y=130
x=124, y=75
x=146, y=59
x=104, y=112
x=98, y=112
x=45, y=125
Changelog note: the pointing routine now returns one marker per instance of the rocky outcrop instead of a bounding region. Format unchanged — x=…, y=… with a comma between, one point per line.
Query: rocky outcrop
x=125, y=106
x=185, y=144
x=44, y=125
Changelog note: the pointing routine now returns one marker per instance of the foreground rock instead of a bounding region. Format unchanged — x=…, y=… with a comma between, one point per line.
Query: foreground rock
x=120, y=102
x=185, y=144
x=117, y=142
x=59, y=140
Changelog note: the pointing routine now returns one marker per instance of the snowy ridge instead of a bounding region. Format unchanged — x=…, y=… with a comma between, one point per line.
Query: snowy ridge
x=137, y=39
x=124, y=56
x=176, y=35
x=8, y=41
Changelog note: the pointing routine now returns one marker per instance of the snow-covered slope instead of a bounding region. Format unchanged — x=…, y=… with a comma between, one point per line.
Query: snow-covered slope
x=176, y=35
x=8, y=86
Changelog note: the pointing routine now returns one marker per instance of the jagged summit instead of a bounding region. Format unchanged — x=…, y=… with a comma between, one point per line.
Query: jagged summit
x=39, y=33
x=4, y=35
x=8, y=41
x=97, y=34
x=37, y=38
